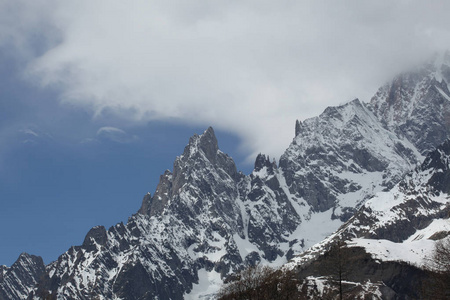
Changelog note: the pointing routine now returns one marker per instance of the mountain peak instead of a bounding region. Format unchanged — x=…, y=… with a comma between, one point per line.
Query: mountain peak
x=416, y=104
x=17, y=281
x=96, y=236
x=263, y=161
x=206, y=143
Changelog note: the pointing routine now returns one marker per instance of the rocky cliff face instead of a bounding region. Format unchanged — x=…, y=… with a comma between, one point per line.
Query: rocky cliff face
x=393, y=234
x=19, y=280
x=206, y=220
x=342, y=157
x=416, y=105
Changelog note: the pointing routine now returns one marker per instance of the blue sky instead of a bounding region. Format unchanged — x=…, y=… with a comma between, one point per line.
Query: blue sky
x=53, y=192
x=62, y=174
x=97, y=98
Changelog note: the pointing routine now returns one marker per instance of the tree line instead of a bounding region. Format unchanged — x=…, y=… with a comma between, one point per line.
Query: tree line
x=336, y=266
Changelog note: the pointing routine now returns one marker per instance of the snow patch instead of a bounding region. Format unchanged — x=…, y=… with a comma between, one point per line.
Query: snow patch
x=208, y=285
x=414, y=252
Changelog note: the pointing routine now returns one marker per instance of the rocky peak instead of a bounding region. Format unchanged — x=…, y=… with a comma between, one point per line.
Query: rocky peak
x=17, y=281
x=27, y=260
x=208, y=144
x=343, y=112
x=416, y=104
x=202, y=152
x=324, y=163
x=96, y=236
x=201, y=166
x=298, y=127
x=205, y=143
x=262, y=161
x=146, y=205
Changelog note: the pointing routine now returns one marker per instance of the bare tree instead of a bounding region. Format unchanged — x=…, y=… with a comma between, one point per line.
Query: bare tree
x=338, y=265
x=437, y=286
x=246, y=284
x=262, y=283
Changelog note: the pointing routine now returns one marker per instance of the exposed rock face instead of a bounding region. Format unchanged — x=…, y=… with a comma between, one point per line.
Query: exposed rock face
x=343, y=156
x=206, y=220
x=95, y=236
x=416, y=104
x=19, y=280
x=364, y=277
x=407, y=216
x=439, y=160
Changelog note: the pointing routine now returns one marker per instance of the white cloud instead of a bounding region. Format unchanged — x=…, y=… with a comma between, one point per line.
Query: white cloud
x=115, y=134
x=32, y=135
x=249, y=67
x=29, y=132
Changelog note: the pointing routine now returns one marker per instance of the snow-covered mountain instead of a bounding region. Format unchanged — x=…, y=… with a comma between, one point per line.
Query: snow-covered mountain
x=206, y=220
x=17, y=281
x=393, y=235
x=343, y=156
x=416, y=104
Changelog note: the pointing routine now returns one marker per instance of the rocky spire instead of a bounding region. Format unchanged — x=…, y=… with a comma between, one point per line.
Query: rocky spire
x=208, y=144
x=201, y=153
x=263, y=161
x=298, y=126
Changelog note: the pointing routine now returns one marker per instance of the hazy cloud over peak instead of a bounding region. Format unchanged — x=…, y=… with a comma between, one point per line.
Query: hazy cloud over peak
x=249, y=67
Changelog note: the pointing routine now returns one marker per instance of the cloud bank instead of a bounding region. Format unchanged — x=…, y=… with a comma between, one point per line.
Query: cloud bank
x=248, y=67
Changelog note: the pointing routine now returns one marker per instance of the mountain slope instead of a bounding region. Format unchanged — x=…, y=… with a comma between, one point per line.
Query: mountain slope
x=206, y=220
x=338, y=159
x=19, y=280
x=393, y=232
x=416, y=104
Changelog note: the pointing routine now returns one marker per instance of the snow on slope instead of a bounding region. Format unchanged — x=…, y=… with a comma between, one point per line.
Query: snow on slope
x=398, y=224
x=344, y=156
x=205, y=218
x=416, y=104
x=417, y=249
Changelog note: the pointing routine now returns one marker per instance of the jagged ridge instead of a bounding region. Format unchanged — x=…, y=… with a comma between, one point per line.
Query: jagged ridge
x=206, y=220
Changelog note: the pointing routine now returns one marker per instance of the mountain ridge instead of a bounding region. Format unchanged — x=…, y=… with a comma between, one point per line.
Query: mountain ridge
x=395, y=230
x=206, y=221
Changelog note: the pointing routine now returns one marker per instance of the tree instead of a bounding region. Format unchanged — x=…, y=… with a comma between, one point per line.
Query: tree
x=262, y=283
x=338, y=264
x=437, y=286
x=246, y=283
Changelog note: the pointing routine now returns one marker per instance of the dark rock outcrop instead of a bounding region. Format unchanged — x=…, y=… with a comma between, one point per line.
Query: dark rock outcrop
x=21, y=278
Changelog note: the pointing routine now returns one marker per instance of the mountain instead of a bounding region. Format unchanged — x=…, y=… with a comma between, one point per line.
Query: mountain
x=338, y=159
x=19, y=280
x=416, y=104
x=391, y=237
x=206, y=220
